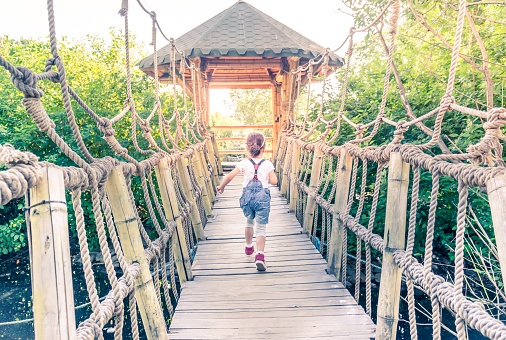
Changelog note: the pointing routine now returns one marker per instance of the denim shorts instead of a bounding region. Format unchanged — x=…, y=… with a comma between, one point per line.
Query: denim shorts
x=255, y=202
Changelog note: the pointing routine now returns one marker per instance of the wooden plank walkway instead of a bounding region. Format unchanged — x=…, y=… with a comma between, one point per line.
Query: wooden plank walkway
x=294, y=299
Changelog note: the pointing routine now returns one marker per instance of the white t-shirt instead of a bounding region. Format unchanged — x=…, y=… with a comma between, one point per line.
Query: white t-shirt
x=249, y=171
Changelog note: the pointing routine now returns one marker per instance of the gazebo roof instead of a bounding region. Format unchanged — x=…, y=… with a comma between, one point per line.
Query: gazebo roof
x=242, y=31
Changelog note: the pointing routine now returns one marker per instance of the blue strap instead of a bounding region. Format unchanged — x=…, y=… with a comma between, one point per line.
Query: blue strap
x=256, y=166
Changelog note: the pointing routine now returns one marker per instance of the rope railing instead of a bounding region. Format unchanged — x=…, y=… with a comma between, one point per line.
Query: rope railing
x=328, y=186
x=185, y=174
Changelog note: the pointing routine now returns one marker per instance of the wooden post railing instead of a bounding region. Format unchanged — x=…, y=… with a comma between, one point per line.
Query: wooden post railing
x=131, y=241
x=169, y=200
x=50, y=264
x=205, y=171
x=395, y=230
x=217, y=155
x=313, y=187
x=285, y=187
x=496, y=190
x=214, y=163
x=198, y=228
x=197, y=166
x=335, y=246
x=294, y=169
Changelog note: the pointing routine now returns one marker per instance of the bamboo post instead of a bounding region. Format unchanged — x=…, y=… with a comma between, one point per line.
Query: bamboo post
x=50, y=266
x=212, y=158
x=395, y=230
x=277, y=165
x=496, y=189
x=313, y=187
x=197, y=165
x=335, y=246
x=169, y=201
x=295, y=169
x=209, y=183
x=217, y=155
x=188, y=190
x=284, y=184
x=131, y=241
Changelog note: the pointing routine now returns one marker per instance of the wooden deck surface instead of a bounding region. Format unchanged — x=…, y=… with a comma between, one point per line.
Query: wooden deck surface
x=294, y=299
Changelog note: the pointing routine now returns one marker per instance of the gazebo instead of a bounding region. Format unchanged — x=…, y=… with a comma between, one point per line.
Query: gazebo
x=243, y=48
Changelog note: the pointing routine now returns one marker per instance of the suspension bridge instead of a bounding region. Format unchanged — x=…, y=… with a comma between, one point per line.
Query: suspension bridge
x=192, y=280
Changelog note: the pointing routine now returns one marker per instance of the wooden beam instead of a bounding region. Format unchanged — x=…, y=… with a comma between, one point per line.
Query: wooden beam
x=395, y=231
x=241, y=151
x=237, y=138
x=50, y=264
x=496, y=190
x=231, y=64
x=335, y=246
x=171, y=209
x=240, y=86
x=241, y=126
x=313, y=187
x=131, y=241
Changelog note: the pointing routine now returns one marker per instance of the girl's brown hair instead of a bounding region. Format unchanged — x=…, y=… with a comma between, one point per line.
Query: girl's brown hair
x=255, y=143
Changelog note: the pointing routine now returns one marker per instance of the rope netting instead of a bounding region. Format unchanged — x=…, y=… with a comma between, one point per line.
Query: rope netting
x=93, y=171
x=320, y=160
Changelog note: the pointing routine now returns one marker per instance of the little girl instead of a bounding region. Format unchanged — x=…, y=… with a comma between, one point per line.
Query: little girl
x=255, y=201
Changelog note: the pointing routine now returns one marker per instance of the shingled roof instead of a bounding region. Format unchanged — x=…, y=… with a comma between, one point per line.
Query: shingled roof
x=242, y=31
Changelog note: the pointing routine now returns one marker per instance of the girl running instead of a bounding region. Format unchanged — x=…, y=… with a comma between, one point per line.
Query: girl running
x=255, y=201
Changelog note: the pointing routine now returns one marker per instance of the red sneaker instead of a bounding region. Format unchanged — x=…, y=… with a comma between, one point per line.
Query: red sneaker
x=260, y=262
x=249, y=250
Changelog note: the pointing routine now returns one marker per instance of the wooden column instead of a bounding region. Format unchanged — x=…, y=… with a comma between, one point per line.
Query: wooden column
x=131, y=241
x=313, y=187
x=276, y=115
x=335, y=246
x=288, y=154
x=197, y=166
x=207, y=103
x=294, y=169
x=169, y=201
x=190, y=195
x=217, y=155
x=395, y=230
x=212, y=158
x=496, y=189
x=277, y=167
x=50, y=264
x=208, y=183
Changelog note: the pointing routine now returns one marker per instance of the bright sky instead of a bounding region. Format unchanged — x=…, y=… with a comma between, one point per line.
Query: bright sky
x=318, y=20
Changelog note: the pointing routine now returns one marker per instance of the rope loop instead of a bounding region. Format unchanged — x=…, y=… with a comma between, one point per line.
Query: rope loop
x=26, y=82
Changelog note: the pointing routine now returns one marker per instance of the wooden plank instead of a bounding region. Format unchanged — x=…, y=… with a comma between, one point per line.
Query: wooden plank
x=295, y=298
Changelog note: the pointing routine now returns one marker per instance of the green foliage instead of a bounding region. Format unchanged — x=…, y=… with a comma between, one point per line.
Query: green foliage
x=13, y=235
x=95, y=69
x=423, y=63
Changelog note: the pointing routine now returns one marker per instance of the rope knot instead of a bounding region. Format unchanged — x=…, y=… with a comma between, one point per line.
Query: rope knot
x=26, y=82
x=481, y=153
x=401, y=128
x=144, y=124
x=11, y=157
x=359, y=131
x=105, y=126
x=446, y=101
